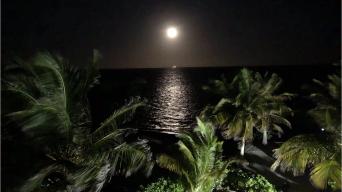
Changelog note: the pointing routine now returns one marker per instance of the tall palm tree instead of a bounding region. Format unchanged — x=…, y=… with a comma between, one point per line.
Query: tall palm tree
x=248, y=102
x=320, y=153
x=199, y=163
x=56, y=116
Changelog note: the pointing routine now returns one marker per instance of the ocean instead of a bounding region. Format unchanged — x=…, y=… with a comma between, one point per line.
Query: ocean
x=175, y=96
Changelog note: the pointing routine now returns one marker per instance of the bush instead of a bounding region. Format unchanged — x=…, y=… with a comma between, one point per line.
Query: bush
x=245, y=181
x=163, y=185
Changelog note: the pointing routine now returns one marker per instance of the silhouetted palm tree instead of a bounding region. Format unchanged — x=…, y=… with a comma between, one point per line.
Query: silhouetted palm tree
x=199, y=163
x=321, y=153
x=248, y=102
x=56, y=116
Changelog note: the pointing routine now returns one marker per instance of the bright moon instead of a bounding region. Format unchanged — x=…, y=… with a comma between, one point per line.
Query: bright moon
x=171, y=32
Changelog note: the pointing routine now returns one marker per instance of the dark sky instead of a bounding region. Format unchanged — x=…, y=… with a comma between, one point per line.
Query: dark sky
x=212, y=33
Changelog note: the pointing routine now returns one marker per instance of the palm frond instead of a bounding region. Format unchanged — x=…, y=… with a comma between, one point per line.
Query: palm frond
x=320, y=153
x=217, y=87
x=44, y=84
x=56, y=113
x=249, y=103
x=223, y=102
x=205, y=130
x=89, y=178
x=300, y=152
x=99, y=166
x=36, y=181
x=277, y=119
x=186, y=152
x=271, y=84
x=327, y=112
x=200, y=163
x=327, y=173
x=116, y=137
x=18, y=88
x=119, y=117
x=128, y=158
x=170, y=163
x=42, y=122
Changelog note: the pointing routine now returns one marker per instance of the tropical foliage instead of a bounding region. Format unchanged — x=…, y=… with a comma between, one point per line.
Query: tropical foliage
x=327, y=97
x=57, y=118
x=321, y=153
x=248, y=102
x=244, y=181
x=199, y=162
x=164, y=185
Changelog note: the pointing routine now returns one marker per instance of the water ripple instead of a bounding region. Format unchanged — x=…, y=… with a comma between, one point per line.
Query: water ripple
x=171, y=103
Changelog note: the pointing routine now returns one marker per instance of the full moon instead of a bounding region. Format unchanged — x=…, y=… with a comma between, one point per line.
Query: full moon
x=171, y=32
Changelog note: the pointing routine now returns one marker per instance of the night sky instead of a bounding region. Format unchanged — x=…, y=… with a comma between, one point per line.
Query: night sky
x=130, y=34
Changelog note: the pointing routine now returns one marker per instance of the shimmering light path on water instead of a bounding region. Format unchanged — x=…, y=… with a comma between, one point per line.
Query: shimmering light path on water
x=172, y=102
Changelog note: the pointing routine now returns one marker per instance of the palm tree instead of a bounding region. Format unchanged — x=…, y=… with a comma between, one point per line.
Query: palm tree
x=56, y=115
x=320, y=153
x=199, y=163
x=248, y=102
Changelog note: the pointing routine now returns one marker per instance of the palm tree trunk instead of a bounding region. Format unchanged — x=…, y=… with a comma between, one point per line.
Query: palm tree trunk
x=242, y=152
x=264, y=138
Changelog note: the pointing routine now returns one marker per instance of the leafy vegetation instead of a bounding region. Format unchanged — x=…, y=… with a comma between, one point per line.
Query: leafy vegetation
x=56, y=116
x=321, y=153
x=199, y=162
x=163, y=185
x=327, y=97
x=248, y=102
x=243, y=181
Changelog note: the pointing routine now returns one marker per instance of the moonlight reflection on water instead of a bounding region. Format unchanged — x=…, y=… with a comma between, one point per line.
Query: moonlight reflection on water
x=172, y=105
